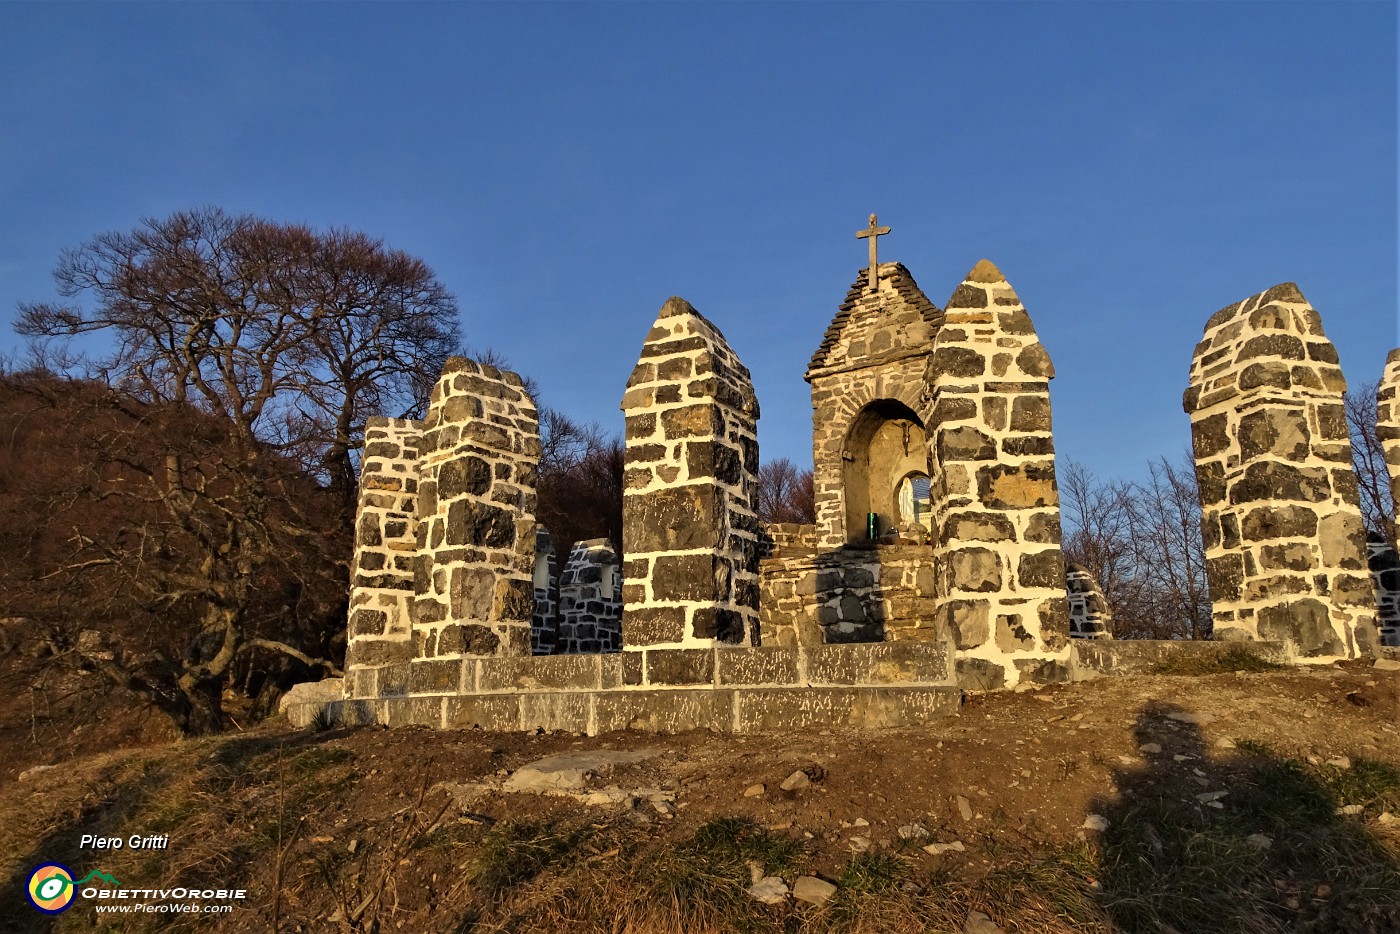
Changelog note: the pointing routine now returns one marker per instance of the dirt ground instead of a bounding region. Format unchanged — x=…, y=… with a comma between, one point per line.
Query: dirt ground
x=303, y=818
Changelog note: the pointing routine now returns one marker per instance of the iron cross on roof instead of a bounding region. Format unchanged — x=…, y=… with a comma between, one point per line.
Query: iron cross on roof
x=873, y=233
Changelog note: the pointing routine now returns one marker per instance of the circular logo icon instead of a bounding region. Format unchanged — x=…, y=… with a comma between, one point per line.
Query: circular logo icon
x=50, y=888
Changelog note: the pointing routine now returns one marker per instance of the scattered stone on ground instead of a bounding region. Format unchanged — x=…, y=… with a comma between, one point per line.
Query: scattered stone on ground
x=771, y=890
x=796, y=781
x=812, y=890
x=938, y=849
x=753, y=791
x=1096, y=822
x=980, y=923
x=964, y=808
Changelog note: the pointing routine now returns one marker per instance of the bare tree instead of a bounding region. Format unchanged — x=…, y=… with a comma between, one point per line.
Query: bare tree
x=783, y=493
x=1368, y=458
x=579, y=489
x=1097, y=534
x=282, y=341
x=1168, y=553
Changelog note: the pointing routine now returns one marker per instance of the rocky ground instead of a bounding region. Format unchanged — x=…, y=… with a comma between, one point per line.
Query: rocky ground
x=1228, y=801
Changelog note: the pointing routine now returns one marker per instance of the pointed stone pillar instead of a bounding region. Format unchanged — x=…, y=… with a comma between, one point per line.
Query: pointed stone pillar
x=996, y=514
x=689, y=533
x=1281, y=521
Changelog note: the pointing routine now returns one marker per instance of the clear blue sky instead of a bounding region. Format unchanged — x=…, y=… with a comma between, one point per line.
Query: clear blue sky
x=1131, y=167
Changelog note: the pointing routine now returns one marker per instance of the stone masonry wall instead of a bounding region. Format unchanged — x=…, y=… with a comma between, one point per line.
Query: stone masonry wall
x=689, y=530
x=875, y=348
x=1285, y=548
x=544, y=621
x=381, y=570
x=590, y=599
x=995, y=505
x=476, y=532
x=1089, y=614
x=882, y=593
x=1388, y=420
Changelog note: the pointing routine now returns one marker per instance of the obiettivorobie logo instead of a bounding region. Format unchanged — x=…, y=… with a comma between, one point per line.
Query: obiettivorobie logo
x=51, y=887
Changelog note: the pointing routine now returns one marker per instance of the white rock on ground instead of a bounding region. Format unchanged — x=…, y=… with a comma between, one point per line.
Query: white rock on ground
x=964, y=808
x=938, y=849
x=312, y=692
x=1096, y=822
x=796, y=781
x=812, y=890
x=771, y=890
x=569, y=771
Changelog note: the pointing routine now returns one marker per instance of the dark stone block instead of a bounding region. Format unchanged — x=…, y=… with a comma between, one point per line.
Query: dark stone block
x=1322, y=351
x=1043, y=671
x=641, y=425
x=1274, y=375
x=956, y=361
x=965, y=444
x=968, y=296
x=1277, y=431
x=1044, y=528
x=1030, y=413
x=435, y=677
x=1305, y=622
x=1042, y=569
x=653, y=625
x=979, y=674
x=689, y=422
x=1026, y=446
x=680, y=666
x=672, y=519
x=757, y=666
x=473, y=523
x=1271, y=345
x=952, y=409
x=688, y=577
x=1210, y=436
x=365, y=622
x=1034, y=361
x=1270, y=480
x=1225, y=574
x=722, y=624
x=364, y=653
x=367, y=533
x=428, y=610
x=464, y=475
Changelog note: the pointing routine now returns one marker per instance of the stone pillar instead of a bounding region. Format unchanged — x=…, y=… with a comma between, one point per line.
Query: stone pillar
x=474, y=581
x=1388, y=422
x=1285, y=547
x=544, y=621
x=1090, y=616
x=381, y=571
x=689, y=533
x=995, y=505
x=590, y=599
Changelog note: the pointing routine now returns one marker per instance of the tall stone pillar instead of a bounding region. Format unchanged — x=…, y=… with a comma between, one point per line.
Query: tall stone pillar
x=379, y=644
x=1388, y=421
x=995, y=505
x=689, y=533
x=1285, y=547
x=474, y=581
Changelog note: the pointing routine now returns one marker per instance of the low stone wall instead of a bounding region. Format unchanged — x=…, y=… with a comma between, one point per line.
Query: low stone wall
x=1091, y=658
x=738, y=690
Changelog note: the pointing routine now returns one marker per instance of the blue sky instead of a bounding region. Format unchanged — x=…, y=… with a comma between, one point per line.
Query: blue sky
x=1131, y=168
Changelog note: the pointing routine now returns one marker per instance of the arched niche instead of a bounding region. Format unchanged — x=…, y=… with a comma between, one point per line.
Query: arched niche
x=885, y=454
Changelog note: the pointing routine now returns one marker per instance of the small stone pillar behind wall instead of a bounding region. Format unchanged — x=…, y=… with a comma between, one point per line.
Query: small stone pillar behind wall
x=379, y=644
x=689, y=533
x=1285, y=548
x=474, y=581
x=1090, y=616
x=544, y=621
x=995, y=505
x=590, y=599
